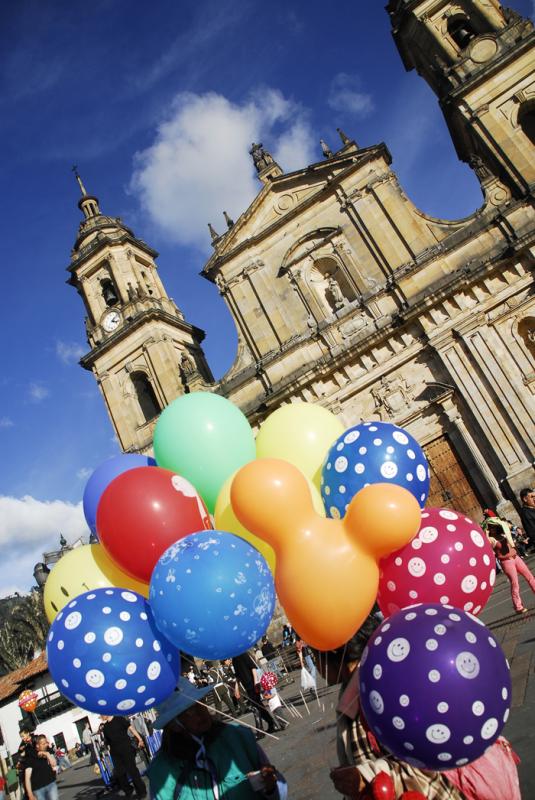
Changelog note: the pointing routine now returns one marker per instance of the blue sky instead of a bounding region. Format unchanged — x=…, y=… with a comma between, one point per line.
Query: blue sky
x=156, y=104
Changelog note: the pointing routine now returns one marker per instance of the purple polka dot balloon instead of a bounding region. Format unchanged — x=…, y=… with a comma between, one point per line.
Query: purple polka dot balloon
x=435, y=686
x=106, y=654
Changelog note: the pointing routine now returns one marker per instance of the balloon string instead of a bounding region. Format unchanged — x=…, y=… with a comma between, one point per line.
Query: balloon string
x=237, y=721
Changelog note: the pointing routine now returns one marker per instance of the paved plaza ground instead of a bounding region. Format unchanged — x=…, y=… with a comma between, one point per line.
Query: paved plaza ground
x=306, y=751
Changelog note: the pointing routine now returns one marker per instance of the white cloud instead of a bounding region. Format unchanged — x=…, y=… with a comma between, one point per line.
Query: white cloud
x=69, y=352
x=346, y=95
x=199, y=163
x=83, y=473
x=38, y=392
x=29, y=527
x=6, y=422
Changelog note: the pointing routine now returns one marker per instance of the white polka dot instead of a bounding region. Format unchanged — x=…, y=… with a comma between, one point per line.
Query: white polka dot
x=141, y=689
x=378, y=640
x=451, y=527
x=150, y=701
x=445, y=513
x=412, y=594
x=420, y=472
x=373, y=427
x=391, y=586
x=438, y=733
x=410, y=615
x=409, y=476
x=492, y=577
x=90, y=637
x=431, y=644
x=467, y=665
x=385, y=627
x=389, y=470
x=478, y=708
x=468, y=740
x=445, y=559
x=327, y=490
x=431, y=612
x=470, y=637
x=489, y=728
x=398, y=649
x=428, y=534
x=444, y=756
x=130, y=597
x=400, y=437
x=143, y=616
x=442, y=708
x=120, y=684
x=422, y=497
x=342, y=489
x=477, y=538
x=486, y=560
x=80, y=698
x=65, y=683
x=113, y=636
x=340, y=446
x=359, y=468
x=416, y=544
x=106, y=610
x=124, y=615
x=390, y=449
x=506, y=715
x=377, y=671
x=492, y=642
x=461, y=762
x=454, y=617
x=94, y=678
x=333, y=511
x=71, y=605
x=417, y=566
x=398, y=561
x=76, y=663
x=411, y=453
x=445, y=599
x=505, y=693
x=351, y=437
x=106, y=657
x=363, y=450
x=404, y=700
x=130, y=668
x=434, y=675
x=73, y=620
x=468, y=606
x=340, y=464
x=377, y=442
x=153, y=670
x=90, y=596
x=61, y=644
x=376, y=702
x=458, y=546
x=440, y=629
x=408, y=746
x=125, y=705
x=439, y=578
x=156, y=645
x=473, y=562
x=398, y=723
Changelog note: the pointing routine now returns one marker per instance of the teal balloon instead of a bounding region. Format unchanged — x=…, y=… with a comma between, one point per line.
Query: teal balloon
x=205, y=438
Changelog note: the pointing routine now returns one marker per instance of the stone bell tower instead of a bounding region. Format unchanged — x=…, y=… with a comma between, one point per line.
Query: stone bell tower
x=477, y=56
x=143, y=353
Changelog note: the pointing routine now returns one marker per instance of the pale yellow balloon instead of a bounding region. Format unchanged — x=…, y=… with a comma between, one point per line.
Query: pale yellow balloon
x=80, y=570
x=226, y=520
x=301, y=433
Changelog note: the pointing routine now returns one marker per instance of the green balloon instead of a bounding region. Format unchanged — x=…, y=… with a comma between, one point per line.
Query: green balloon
x=204, y=438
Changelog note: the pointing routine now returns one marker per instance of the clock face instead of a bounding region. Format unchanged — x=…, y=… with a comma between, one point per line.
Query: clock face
x=111, y=321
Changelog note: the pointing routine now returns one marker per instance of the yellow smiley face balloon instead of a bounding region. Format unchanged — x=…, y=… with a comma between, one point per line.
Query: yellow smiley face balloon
x=80, y=570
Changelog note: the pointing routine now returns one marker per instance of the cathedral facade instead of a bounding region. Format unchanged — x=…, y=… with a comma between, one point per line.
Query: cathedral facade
x=345, y=294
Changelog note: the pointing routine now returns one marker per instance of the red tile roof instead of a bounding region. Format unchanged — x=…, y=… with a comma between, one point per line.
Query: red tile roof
x=13, y=682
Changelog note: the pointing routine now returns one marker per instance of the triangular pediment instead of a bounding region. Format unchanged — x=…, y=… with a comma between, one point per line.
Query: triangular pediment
x=284, y=197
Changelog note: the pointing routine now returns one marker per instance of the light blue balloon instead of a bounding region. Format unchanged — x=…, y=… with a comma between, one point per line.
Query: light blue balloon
x=212, y=594
x=373, y=452
x=103, y=476
x=106, y=654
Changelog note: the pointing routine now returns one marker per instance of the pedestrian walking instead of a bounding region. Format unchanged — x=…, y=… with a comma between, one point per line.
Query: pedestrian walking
x=115, y=731
x=511, y=563
x=246, y=672
x=221, y=691
x=202, y=758
x=527, y=514
x=40, y=772
x=86, y=738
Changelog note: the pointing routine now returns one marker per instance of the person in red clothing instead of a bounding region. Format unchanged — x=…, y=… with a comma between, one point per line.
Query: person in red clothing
x=511, y=563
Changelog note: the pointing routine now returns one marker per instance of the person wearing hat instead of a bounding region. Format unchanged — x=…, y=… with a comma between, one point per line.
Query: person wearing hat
x=201, y=758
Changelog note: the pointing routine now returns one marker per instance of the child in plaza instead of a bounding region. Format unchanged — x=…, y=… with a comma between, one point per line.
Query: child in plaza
x=274, y=703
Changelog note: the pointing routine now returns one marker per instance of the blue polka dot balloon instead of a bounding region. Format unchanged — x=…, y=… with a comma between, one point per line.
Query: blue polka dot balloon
x=106, y=654
x=373, y=452
x=212, y=594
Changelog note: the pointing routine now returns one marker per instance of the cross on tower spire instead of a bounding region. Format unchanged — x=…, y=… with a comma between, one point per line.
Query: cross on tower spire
x=78, y=178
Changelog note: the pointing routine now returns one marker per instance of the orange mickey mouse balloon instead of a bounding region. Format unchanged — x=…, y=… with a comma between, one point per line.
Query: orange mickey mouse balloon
x=327, y=570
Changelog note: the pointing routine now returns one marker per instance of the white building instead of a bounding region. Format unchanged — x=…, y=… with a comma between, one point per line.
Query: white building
x=55, y=716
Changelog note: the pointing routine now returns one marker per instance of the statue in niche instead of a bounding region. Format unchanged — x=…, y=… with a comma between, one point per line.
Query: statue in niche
x=186, y=366
x=336, y=293
x=261, y=157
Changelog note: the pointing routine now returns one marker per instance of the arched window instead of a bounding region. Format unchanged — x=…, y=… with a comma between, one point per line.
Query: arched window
x=461, y=31
x=109, y=292
x=526, y=120
x=148, y=403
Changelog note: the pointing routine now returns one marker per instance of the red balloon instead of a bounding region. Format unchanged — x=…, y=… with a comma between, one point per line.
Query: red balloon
x=144, y=511
x=449, y=561
x=412, y=796
x=382, y=787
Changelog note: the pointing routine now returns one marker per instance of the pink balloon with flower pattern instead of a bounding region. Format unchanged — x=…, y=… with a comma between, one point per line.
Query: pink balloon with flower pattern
x=449, y=561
